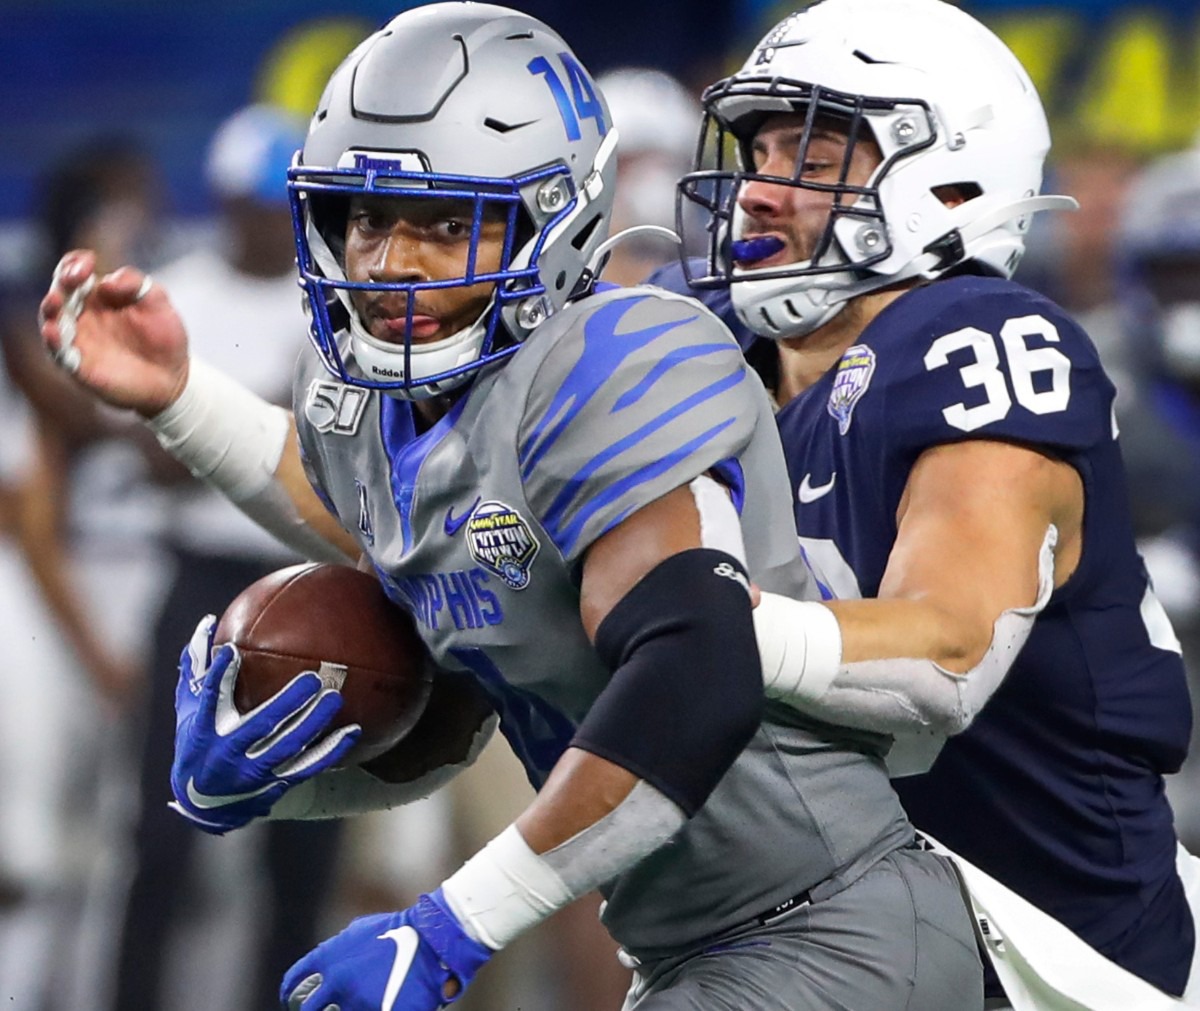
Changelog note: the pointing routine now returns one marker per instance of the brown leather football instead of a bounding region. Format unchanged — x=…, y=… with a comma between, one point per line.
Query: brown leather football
x=337, y=621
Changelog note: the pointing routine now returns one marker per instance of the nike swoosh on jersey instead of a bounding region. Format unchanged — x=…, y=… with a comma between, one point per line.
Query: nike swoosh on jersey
x=454, y=523
x=406, y=949
x=206, y=802
x=807, y=493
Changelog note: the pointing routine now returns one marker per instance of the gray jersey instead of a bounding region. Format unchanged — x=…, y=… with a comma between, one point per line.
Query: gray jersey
x=479, y=525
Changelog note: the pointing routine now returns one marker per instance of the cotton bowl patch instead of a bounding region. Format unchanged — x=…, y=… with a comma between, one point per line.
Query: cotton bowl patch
x=850, y=382
x=501, y=541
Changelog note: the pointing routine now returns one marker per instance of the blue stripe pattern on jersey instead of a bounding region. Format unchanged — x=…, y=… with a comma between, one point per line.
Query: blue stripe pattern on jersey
x=565, y=537
x=603, y=351
x=668, y=361
x=407, y=453
x=537, y=732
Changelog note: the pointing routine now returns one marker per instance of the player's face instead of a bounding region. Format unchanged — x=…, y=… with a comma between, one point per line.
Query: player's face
x=792, y=214
x=392, y=240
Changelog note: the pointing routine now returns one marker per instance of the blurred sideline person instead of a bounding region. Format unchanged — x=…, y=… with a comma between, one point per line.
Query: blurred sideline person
x=1073, y=258
x=656, y=118
x=80, y=572
x=1159, y=413
x=876, y=166
x=570, y=489
x=239, y=299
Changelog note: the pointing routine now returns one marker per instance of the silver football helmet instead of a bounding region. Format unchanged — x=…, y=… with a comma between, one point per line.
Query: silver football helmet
x=947, y=104
x=460, y=101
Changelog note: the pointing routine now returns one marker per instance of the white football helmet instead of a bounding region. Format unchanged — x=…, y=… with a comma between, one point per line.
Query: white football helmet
x=1158, y=256
x=947, y=104
x=464, y=101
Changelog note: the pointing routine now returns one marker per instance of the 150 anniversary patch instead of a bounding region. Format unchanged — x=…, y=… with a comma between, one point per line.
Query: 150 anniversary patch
x=501, y=541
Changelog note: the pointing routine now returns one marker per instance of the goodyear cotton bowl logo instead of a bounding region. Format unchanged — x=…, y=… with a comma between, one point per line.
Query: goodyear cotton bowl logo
x=850, y=382
x=500, y=540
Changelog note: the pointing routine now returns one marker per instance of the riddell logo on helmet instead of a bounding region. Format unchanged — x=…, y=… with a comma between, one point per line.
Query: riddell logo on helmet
x=386, y=373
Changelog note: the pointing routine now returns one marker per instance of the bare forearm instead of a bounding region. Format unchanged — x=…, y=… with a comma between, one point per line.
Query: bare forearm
x=908, y=670
x=879, y=629
x=582, y=789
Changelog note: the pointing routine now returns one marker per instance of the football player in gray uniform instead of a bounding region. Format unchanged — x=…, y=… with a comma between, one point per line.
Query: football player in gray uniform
x=570, y=489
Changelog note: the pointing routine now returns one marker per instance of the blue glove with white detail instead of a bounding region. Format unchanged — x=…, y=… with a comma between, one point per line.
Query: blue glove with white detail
x=230, y=768
x=388, y=962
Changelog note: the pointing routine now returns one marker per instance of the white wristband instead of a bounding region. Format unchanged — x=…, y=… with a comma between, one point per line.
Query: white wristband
x=504, y=890
x=223, y=433
x=800, y=643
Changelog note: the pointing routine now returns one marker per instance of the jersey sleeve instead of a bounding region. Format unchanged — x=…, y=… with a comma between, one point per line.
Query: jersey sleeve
x=670, y=277
x=644, y=393
x=993, y=361
x=307, y=398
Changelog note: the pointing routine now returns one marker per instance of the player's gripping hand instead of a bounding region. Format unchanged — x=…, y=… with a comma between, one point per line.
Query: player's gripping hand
x=118, y=335
x=230, y=767
x=420, y=959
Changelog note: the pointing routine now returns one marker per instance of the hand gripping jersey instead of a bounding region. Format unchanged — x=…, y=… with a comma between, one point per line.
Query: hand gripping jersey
x=1056, y=789
x=479, y=525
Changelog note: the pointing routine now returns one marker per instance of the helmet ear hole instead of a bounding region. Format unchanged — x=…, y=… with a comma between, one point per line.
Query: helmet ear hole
x=953, y=194
x=584, y=234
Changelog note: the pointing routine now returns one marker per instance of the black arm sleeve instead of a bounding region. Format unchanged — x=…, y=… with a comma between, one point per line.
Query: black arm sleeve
x=686, y=695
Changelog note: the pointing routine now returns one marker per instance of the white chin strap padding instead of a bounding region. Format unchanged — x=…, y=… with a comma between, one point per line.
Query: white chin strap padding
x=382, y=362
x=786, y=311
x=783, y=307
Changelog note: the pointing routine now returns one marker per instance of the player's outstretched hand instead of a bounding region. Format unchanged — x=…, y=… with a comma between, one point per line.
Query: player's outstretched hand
x=231, y=768
x=118, y=335
x=420, y=959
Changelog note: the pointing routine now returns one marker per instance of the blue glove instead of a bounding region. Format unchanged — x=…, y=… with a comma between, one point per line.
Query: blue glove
x=230, y=768
x=388, y=962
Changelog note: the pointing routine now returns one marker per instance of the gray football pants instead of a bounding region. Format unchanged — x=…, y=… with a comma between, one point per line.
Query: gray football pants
x=898, y=939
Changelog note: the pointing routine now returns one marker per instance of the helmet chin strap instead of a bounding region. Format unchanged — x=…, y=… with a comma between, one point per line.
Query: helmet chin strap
x=378, y=359
x=806, y=310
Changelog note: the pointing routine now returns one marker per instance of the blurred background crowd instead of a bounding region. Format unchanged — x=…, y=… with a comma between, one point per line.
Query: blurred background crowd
x=158, y=135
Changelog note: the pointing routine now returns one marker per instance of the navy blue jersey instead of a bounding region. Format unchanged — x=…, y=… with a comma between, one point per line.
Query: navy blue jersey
x=1056, y=789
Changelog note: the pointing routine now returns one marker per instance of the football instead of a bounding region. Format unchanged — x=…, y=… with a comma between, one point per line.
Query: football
x=337, y=621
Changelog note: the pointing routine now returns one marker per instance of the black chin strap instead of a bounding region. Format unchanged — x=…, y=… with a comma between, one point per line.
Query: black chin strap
x=585, y=286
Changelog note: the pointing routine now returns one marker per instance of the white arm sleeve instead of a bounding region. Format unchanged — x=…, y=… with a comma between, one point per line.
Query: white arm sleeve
x=233, y=440
x=340, y=793
x=896, y=695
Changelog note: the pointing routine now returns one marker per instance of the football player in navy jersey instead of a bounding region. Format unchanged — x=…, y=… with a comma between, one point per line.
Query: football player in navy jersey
x=869, y=176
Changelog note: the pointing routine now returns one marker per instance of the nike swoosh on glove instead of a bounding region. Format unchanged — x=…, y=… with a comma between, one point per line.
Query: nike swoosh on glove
x=388, y=962
x=231, y=768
